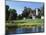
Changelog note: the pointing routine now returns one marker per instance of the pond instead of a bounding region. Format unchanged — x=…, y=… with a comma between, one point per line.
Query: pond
x=26, y=30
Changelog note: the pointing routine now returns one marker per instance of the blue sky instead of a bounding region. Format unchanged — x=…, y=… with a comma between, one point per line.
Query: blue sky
x=19, y=6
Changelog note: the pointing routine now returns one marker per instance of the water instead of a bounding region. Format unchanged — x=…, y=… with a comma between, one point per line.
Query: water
x=27, y=30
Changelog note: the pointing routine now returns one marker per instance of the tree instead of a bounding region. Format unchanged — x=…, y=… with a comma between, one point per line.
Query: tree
x=7, y=12
x=26, y=12
x=13, y=14
x=20, y=16
x=42, y=10
x=39, y=13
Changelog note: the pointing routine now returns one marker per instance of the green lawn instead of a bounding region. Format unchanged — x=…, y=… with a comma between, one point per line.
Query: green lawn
x=26, y=23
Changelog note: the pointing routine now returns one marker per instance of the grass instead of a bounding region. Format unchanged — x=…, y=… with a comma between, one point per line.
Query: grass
x=26, y=23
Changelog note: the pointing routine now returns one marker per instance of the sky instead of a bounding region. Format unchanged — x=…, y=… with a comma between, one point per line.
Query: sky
x=19, y=6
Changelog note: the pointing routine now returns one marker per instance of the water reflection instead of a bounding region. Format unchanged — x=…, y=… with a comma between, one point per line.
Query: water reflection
x=26, y=30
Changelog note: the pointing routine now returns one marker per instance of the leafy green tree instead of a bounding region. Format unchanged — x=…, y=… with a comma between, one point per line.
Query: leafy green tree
x=26, y=12
x=7, y=12
x=13, y=14
x=39, y=13
x=20, y=16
